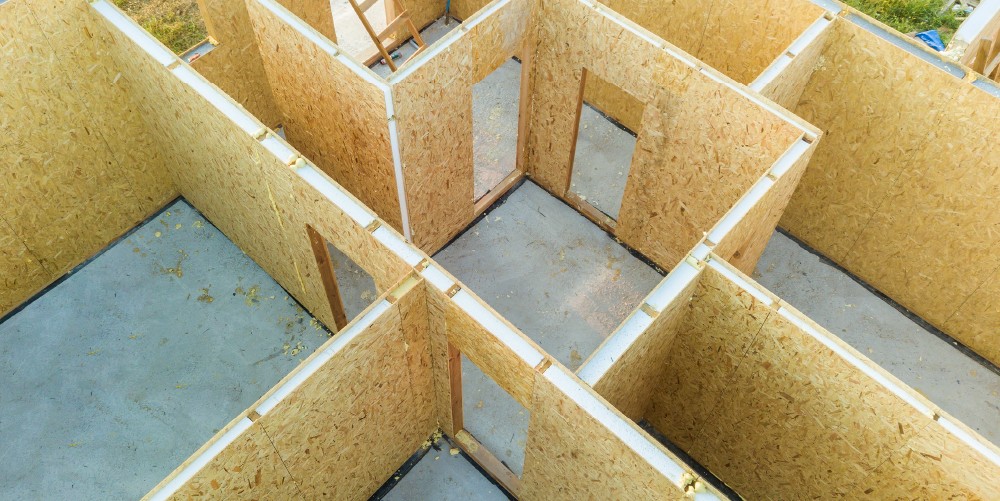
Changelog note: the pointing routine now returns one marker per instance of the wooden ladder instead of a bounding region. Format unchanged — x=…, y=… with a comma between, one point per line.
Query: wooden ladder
x=390, y=29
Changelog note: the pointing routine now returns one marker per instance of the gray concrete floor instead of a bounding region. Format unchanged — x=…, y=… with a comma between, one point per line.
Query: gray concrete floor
x=118, y=374
x=556, y=276
x=494, y=126
x=955, y=382
x=439, y=475
x=357, y=287
x=601, y=163
x=432, y=34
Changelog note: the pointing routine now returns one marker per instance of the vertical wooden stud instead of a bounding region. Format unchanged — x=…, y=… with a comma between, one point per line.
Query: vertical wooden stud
x=576, y=131
x=524, y=104
x=455, y=376
x=327, y=275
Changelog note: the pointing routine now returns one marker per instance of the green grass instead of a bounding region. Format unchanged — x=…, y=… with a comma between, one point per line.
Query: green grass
x=908, y=16
x=176, y=23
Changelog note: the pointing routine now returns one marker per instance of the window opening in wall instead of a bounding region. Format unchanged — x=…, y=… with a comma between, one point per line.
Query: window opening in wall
x=349, y=287
x=181, y=25
x=602, y=153
x=495, y=104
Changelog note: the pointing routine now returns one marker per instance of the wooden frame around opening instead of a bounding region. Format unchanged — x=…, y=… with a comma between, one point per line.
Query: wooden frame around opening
x=325, y=265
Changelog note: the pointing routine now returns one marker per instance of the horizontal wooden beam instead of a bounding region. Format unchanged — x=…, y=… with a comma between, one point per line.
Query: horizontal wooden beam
x=485, y=459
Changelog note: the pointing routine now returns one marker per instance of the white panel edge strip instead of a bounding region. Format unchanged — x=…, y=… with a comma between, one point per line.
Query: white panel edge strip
x=701, y=252
x=397, y=163
x=437, y=278
x=855, y=361
x=969, y=440
x=615, y=424
x=830, y=5
x=496, y=327
x=448, y=41
x=973, y=26
x=777, y=111
x=277, y=148
x=809, y=36
x=400, y=247
x=306, y=31
x=684, y=59
x=743, y=284
x=241, y=118
x=129, y=28
x=339, y=342
x=770, y=73
x=617, y=345
x=188, y=473
x=741, y=210
x=789, y=158
x=358, y=213
x=671, y=286
x=634, y=31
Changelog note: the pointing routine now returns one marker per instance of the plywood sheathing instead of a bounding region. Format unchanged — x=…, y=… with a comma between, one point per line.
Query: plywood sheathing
x=786, y=87
x=903, y=190
x=633, y=377
x=414, y=319
x=437, y=301
x=79, y=167
x=331, y=114
x=464, y=9
x=744, y=244
x=434, y=119
x=718, y=326
x=700, y=147
x=249, y=194
x=316, y=13
x=235, y=65
x=571, y=455
x=613, y=102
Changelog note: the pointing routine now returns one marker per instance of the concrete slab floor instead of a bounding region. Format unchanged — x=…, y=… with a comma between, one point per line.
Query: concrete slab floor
x=357, y=287
x=601, y=162
x=439, y=475
x=119, y=373
x=434, y=32
x=494, y=126
x=919, y=358
x=556, y=276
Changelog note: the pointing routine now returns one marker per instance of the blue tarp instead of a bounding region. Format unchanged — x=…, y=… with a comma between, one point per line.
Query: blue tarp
x=932, y=39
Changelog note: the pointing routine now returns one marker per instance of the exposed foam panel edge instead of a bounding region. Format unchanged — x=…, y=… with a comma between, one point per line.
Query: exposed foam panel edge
x=856, y=362
x=358, y=213
x=756, y=100
x=701, y=252
x=498, y=328
x=741, y=210
x=809, y=35
x=437, y=278
x=241, y=118
x=950, y=68
x=339, y=342
x=397, y=164
x=830, y=5
x=132, y=30
x=743, y=284
x=969, y=440
x=771, y=72
x=632, y=438
x=277, y=148
x=400, y=247
x=987, y=86
x=188, y=473
x=788, y=159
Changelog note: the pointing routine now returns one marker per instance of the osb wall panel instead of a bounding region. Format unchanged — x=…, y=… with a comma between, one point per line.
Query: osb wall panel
x=933, y=240
x=330, y=114
x=875, y=105
x=613, y=102
x=315, y=13
x=786, y=88
x=413, y=316
x=78, y=166
x=249, y=468
x=977, y=321
x=347, y=428
x=571, y=455
x=254, y=199
x=636, y=375
x=744, y=244
x=464, y=9
x=438, y=331
x=235, y=65
x=933, y=465
x=491, y=355
x=435, y=139
x=680, y=22
x=700, y=146
x=797, y=422
x=743, y=37
x=423, y=12
x=720, y=323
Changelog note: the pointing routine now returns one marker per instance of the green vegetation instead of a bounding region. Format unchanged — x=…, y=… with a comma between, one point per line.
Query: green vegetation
x=176, y=23
x=908, y=16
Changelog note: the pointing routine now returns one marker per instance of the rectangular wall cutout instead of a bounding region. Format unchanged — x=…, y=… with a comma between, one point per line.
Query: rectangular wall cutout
x=495, y=103
x=349, y=288
x=183, y=27
x=603, y=148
